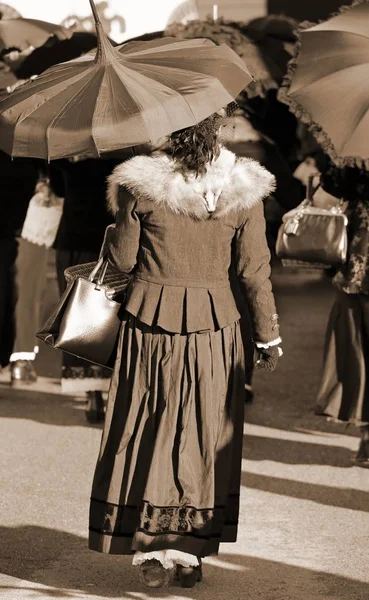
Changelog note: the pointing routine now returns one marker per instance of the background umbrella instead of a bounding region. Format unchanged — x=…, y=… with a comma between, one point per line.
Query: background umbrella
x=122, y=97
x=8, y=12
x=61, y=51
x=328, y=84
x=20, y=34
x=265, y=55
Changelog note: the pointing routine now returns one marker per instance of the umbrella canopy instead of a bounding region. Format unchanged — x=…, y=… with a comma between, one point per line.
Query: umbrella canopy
x=61, y=51
x=328, y=85
x=266, y=56
x=22, y=33
x=125, y=96
x=8, y=12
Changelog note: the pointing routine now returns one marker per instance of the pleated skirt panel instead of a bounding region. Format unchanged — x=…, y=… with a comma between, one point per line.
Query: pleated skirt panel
x=169, y=468
x=344, y=388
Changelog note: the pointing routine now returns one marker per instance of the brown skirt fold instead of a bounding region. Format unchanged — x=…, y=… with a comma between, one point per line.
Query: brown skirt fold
x=168, y=472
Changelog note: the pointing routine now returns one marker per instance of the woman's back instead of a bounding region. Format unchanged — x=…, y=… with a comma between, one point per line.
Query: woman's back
x=182, y=234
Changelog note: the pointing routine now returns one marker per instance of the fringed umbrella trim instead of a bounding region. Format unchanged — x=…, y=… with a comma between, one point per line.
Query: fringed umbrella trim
x=305, y=116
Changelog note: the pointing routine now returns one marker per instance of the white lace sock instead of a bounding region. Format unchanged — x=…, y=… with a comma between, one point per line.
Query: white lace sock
x=168, y=558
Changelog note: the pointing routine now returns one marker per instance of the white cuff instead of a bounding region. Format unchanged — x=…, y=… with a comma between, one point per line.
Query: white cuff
x=268, y=344
x=22, y=356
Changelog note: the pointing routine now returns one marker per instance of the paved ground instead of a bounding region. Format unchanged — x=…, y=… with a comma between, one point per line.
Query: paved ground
x=304, y=519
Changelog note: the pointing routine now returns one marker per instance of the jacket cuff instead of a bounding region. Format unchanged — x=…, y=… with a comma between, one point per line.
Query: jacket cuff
x=269, y=344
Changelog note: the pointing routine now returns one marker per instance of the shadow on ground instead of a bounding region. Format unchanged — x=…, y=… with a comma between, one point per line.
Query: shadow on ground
x=323, y=494
x=43, y=408
x=295, y=452
x=71, y=570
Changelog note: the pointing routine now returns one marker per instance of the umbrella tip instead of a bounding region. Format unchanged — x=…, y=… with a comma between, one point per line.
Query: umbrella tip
x=94, y=12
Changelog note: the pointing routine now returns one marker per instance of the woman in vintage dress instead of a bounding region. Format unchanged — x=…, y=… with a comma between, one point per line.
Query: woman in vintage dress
x=344, y=389
x=167, y=482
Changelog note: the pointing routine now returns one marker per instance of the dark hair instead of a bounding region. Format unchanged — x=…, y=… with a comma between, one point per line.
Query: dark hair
x=349, y=183
x=194, y=148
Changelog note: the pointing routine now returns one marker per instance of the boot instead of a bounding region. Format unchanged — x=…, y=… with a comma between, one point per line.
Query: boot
x=189, y=576
x=153, y=573
x=362, y=456
x=95, y=411
x=22, y=372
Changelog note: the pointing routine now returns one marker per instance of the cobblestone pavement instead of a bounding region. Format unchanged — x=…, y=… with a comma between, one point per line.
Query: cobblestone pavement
x=304, y=515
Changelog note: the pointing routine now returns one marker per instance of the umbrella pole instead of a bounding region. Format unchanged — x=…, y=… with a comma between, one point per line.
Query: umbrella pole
x=94, y=12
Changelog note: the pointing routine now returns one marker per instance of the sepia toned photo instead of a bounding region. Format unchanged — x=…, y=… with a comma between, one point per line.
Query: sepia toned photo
x=184, y=299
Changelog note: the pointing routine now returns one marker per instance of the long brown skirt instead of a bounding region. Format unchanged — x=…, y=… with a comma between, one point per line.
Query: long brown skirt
x=344, y=389
x=168, y=472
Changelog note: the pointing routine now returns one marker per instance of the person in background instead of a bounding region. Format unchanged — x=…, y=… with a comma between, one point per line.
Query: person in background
x=82, y=184
x=246, y=140
x=18, y=179
x=344, y=390
x=274, y=120
x=37, y=236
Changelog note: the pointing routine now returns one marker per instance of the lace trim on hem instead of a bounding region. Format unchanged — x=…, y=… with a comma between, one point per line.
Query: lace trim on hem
x=168, y=558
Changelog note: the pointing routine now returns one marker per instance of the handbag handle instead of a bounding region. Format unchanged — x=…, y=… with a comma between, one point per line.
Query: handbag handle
x=102, y=264
x=310, y=189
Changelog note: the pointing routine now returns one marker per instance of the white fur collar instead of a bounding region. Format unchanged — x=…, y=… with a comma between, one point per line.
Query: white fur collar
x=230, y=184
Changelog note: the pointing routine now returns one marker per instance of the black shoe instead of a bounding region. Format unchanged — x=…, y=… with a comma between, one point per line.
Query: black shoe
x=362, y=457
x=95, y=411
x=189, y=576
x=153, y=573
x=22, y=372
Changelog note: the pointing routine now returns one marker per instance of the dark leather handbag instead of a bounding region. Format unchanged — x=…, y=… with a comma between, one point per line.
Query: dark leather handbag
x=311, y=236
x=86, y=322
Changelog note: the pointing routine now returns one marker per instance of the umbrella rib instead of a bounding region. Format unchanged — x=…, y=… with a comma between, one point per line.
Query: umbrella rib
x=351, y=134
x=327, y=31
x=339, y=70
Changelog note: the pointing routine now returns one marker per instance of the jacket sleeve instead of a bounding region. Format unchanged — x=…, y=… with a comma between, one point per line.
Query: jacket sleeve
x=252, y=263
x=123, y=247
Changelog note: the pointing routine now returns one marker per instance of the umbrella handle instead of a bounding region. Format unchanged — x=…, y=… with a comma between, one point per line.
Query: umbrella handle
x=94, y=12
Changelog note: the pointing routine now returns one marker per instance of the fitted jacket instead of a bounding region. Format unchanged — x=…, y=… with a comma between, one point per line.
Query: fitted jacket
x=180, y=236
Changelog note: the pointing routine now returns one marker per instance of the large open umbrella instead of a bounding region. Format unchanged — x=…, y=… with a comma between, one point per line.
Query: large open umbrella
x=23, y=33
x=124, y=96
x=328, y=84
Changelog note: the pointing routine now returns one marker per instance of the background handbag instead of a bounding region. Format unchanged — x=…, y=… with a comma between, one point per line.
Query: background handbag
x=313, y=236
x=85, y=322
